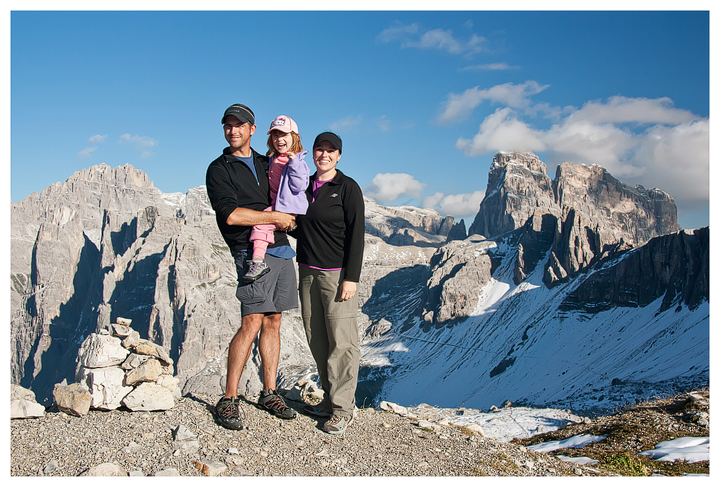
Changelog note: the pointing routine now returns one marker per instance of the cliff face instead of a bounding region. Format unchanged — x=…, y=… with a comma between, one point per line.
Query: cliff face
x=106, y=243
x=580, y=217
x=406, y=225
x=518, y=187
x=673, y=267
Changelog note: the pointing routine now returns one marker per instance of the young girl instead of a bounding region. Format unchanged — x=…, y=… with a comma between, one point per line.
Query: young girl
x=289, y=177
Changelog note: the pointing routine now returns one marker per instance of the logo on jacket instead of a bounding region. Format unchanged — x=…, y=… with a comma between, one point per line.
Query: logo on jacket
x=333, y=195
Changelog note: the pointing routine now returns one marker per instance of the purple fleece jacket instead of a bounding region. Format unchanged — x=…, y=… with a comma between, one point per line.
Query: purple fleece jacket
x=293, y=183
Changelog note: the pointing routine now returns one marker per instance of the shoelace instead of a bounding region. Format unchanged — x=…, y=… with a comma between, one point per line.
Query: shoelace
x=276, y=403
x=229, y=409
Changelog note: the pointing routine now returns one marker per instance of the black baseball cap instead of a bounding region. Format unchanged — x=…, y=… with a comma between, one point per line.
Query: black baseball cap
x=243, y=113
x=329, y=137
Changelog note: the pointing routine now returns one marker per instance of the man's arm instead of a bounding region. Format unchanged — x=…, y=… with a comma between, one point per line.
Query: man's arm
x=248, y=218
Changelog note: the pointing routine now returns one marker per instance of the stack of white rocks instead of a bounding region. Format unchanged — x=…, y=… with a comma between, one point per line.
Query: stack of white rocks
x=116, y=369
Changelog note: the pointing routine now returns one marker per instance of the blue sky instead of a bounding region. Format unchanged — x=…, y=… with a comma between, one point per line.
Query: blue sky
x=422, y=100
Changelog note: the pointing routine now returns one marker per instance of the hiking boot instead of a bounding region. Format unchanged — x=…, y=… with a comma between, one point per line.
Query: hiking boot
x=228, y=413
x=256, y=270
x=317, y=411
x=337, y=425
x=273, y=402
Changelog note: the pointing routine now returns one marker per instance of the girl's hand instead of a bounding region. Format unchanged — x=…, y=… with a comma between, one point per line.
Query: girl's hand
x=290, y=155
x=347, y=290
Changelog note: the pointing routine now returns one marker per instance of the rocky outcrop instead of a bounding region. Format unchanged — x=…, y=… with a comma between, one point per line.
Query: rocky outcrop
x=673, y=267
x=391, y=291
x=405, y=225
x=579, y=218
x=518, y=186
x=23, y=404
x=457, y=232
x=458, y=272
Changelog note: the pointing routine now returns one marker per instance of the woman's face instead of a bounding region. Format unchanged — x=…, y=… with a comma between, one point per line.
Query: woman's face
x=281, y=141
x=325, y=156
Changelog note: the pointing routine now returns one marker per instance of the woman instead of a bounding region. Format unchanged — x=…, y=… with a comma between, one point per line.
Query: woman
x=330, y=240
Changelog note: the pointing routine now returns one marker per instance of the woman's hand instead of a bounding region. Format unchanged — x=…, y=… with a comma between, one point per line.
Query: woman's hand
x=347, y=290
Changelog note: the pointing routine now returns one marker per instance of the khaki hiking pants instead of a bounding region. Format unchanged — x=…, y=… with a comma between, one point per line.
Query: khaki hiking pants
x=331, y=330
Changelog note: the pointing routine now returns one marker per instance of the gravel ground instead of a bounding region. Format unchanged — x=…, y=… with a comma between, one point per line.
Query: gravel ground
x=378, y=443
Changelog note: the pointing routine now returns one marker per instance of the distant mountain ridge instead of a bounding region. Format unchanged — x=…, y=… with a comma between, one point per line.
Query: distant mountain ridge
x=107, y=243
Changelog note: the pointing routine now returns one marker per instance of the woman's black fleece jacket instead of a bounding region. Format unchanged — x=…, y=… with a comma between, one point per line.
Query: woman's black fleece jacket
x=332, y=233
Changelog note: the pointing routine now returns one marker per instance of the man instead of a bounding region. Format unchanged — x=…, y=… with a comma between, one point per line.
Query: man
x=238, y=188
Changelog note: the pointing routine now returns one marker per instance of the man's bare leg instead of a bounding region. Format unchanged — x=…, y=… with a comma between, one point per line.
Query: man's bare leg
x=239, y=351
x=269, y=346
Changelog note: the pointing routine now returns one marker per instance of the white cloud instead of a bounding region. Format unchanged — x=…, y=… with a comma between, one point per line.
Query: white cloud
x=85, y=153
x=432, y=200
x=139, y=140
x=440, y=39
x=549, y=111
x=349, y=122
x=604, y=144
x=397, y=31
x=502, y=131
x=141, y=143
x=437, y=39
x=459, y=107
x=676, y=159
x=638, y=140
x=97, y=139
x=94, y=140
x=387, y=187
x=490, y=67
x=620, y=109
x=464, y=205
x=383, y=123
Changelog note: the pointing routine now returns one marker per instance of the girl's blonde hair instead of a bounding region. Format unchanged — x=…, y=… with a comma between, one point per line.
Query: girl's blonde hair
x=295, y=147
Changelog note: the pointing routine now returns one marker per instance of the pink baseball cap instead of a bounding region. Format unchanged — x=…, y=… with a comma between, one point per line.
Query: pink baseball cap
x=283, y=123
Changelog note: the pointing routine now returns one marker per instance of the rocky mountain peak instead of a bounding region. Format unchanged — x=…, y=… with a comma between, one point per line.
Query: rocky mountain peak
x=580, y=216
x=126, y=177
x=525, y=158
x=517, y=186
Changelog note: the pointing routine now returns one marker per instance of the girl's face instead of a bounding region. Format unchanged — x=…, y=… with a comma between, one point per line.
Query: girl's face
x=281, y=141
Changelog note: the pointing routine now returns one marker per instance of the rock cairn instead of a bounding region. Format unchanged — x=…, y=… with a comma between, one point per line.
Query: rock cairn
x=118, y=368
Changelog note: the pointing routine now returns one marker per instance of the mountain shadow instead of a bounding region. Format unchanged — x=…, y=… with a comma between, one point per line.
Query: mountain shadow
x=76, y=319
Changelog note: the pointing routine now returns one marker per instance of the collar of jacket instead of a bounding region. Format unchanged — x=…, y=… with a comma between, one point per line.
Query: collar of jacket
x=338, y=179
x=231, y=158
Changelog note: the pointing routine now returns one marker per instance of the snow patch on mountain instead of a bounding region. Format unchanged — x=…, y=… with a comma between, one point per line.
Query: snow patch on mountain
x=521, y=345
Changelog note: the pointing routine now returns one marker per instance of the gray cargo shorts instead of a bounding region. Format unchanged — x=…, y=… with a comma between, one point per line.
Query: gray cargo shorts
x=274, y=292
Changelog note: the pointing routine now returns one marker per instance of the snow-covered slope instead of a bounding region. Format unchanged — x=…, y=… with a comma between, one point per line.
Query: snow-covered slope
x=520, y=344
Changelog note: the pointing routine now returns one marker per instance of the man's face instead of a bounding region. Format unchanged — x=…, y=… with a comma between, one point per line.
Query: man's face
x=237, y=133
